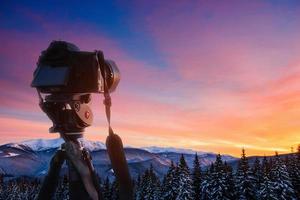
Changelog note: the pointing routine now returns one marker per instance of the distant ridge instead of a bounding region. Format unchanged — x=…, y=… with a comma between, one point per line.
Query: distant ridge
x=155, y=149
x=31, y=158
x=44, y=144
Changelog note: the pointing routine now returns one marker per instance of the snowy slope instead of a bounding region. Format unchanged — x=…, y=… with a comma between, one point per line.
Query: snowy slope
x=154, y=149
x=92, y=145
x=45, y=144
x=32, y=157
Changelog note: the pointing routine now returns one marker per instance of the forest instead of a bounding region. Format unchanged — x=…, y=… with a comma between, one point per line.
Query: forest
x=268, y=178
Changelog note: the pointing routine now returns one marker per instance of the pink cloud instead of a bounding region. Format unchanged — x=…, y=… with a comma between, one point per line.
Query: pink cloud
x=215, y=42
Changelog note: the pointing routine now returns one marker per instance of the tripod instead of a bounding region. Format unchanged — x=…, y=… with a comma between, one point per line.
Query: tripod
x=83, y=181
x=71, y=114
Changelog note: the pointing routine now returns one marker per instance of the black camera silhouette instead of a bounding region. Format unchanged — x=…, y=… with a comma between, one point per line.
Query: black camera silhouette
x=63, y=68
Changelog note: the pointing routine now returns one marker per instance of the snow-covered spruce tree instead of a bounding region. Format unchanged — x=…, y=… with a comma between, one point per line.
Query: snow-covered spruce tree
x=296, y=180
x=185, y=189
x=169, y=185
x=281, y=181
x=293, y=165
x=229, y=181
x=266, y=190
x=14, y=193
x=149, y=187
x=62, y=190
x=34, y=188
x=257, y=175
x=244, y=180
x=154, y=188
x=142, y=191
x=2, y=190
x=265, y=167
x=114, y=190
x=205, y=184
x=218, y=181
x=196, y=176
x=137, y=187
x=106, y=191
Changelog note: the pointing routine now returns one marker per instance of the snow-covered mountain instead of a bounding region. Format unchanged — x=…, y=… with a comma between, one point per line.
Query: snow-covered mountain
x=155, y=149
x=44, y=144
x=32, y=157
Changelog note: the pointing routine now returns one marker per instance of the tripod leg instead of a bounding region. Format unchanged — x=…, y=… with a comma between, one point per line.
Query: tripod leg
x=74, y=154
x=77, y=190
x=88, y=159
x=51, y=180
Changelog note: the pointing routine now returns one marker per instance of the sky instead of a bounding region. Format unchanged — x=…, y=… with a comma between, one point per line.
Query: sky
x=214, y=76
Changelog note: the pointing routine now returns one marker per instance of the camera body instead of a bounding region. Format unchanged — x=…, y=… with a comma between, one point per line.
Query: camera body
x=63, y=68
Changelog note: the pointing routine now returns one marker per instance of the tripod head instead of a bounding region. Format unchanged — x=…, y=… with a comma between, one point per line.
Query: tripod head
x=70, y=113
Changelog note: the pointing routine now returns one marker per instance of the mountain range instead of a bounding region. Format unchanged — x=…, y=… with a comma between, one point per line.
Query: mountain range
x=31, y=158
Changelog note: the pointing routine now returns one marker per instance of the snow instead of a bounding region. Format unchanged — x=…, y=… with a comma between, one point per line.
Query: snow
x=43, y=172
x=154, y=149
x=45, y=144
x=9, y=154
x=92, y=145
x=15, y=145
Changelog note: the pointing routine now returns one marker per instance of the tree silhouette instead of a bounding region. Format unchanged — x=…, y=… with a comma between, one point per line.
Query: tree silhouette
x=196, y=177
x=185, y=189
x=244, y=180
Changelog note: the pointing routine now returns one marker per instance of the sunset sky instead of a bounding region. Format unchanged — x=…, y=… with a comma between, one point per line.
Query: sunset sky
x=211, y=76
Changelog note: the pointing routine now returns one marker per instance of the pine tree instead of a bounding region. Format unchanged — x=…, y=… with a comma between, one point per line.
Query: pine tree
x=169, y=186
x=197, y=178
x=185, y=189
x=257, y=175
x=137, y=187
x=114, y=190
x=149, y=187
x=229, y=181
x=293, y=166
x=62, y=191
x=281, y=182
x=265, y=167
x=143, y=187
x=296, y=180
x=205, y=185
x=153, y=189
x=106, y=190
x=266, y=190
x=218, y=181
x=244, y=180
x=2, y=189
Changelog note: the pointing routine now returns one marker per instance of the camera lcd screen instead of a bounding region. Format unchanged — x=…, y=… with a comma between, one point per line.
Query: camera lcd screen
x=50, y=76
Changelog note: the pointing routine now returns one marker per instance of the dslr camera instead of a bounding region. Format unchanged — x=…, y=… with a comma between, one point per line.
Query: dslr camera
x=67, y=77
x=63, y=68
